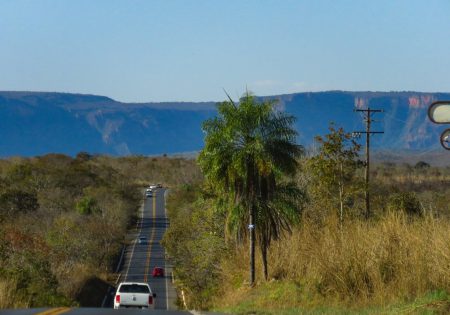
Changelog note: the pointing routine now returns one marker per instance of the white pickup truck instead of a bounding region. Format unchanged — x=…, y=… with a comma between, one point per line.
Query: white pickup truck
x=134, y=295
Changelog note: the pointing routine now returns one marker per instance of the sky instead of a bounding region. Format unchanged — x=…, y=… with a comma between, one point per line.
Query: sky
x=194, y=50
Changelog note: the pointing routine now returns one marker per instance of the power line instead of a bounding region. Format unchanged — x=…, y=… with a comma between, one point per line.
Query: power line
x=367, y=119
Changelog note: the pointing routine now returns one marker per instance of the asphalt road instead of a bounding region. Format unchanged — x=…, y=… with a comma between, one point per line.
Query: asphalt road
x=140, y=259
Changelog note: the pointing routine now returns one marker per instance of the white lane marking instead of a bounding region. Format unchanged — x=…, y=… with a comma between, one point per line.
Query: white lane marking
x=134, y=242
x=121, y=258
x=104, y=299
x=129, y=262
x=184, y=298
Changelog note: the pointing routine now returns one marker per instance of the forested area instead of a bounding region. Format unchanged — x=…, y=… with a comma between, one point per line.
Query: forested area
x=63, y=220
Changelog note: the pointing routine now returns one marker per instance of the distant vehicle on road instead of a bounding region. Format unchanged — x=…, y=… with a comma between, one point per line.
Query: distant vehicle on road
x=134, y=295
x=159, y=186
x=142, y=239
x=148, y=193
x=158, y=272
x=152, y=186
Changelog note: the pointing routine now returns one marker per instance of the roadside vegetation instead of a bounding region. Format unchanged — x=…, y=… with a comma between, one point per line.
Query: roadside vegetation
x=332, y=259
x=63, y=221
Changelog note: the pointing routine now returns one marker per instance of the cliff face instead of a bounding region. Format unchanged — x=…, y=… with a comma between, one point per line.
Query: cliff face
x=39, y=123
x=404, y=120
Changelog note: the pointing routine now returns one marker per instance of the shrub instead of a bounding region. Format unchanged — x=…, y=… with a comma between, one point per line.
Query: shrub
x=406, y=202
x=87, y=205
x=421, y=165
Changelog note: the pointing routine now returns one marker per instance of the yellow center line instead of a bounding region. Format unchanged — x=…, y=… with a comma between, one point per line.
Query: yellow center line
x=55, y=311
x=149, y=249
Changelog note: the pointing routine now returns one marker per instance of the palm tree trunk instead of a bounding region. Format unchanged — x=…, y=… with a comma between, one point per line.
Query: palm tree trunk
x=264, y=258
x=341, y=210
x=251, y=225
x=252, y=246
x=341, y=197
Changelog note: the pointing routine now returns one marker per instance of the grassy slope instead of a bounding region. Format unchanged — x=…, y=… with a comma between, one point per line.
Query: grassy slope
x=361, y=270
x=288, y=298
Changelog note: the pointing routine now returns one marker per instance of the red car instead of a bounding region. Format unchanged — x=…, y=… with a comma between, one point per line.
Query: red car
x=158, y=272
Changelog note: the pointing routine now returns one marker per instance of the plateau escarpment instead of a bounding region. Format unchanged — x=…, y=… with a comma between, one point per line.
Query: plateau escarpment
x=36, y=123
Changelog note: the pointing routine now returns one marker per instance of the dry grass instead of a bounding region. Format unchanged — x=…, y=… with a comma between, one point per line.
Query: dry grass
x=387, y=261
x=8, y=295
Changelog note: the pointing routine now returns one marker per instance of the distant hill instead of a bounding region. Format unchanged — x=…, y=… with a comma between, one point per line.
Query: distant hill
x=36, y=123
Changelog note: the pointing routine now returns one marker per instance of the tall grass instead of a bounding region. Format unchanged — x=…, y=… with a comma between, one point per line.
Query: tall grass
x=8, y=295
x=395, y=258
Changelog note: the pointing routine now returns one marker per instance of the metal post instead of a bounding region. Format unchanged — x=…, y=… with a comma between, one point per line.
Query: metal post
x=367, y=196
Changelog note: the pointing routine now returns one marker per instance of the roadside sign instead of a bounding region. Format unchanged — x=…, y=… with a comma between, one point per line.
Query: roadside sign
x=445, y=139
x=439, y=112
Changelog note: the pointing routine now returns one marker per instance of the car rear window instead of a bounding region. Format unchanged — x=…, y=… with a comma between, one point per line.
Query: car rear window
x=134, y=288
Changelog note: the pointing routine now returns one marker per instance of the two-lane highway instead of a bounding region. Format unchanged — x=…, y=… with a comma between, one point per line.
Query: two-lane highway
x=142, y=258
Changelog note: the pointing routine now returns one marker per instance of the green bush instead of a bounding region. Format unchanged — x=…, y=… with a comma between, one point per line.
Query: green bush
x=406, y=202
x=87, y=205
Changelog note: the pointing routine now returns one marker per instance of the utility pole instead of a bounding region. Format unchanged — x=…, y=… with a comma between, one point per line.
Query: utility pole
x=368, y=119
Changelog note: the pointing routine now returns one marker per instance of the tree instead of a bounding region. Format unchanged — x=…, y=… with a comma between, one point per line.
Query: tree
x=249, y=148
x=335, y=166
x=421, y=165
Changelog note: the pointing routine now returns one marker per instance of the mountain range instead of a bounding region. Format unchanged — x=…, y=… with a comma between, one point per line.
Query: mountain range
x=37, y=123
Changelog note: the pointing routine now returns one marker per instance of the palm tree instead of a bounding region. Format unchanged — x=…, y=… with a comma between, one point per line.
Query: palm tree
x=249, y=149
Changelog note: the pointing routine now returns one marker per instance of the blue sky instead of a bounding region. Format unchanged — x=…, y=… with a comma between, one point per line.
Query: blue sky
x=193, y=50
